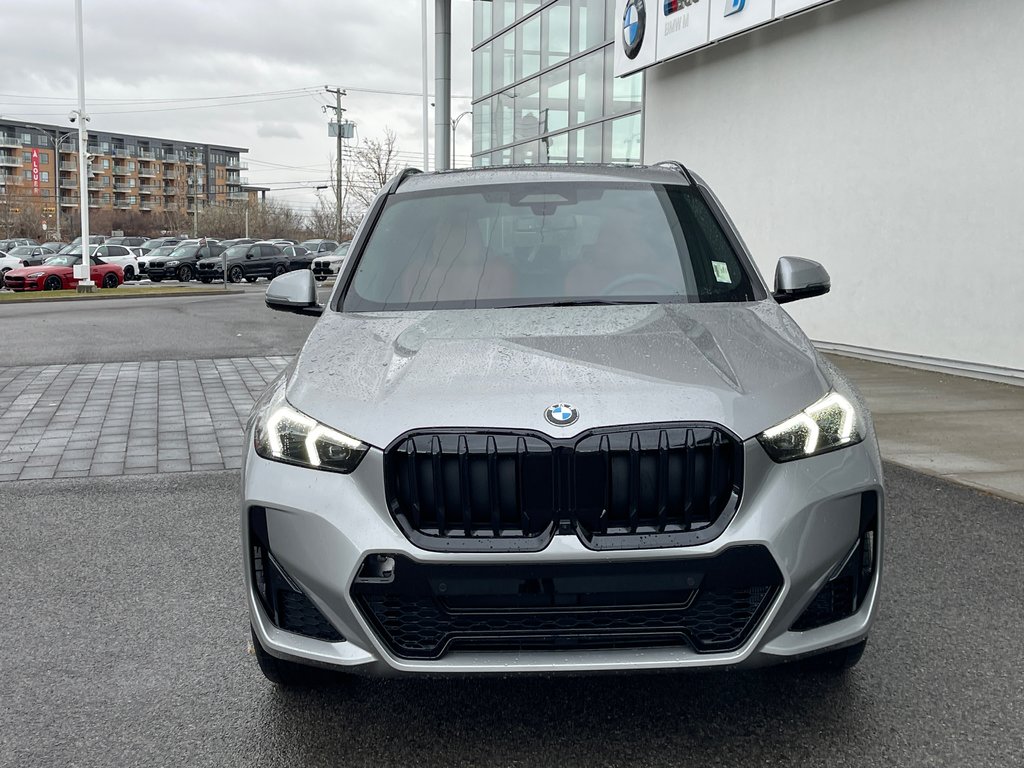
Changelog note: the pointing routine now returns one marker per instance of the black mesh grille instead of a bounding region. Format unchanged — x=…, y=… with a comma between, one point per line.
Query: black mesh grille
x=708, y=604
x=652, y=486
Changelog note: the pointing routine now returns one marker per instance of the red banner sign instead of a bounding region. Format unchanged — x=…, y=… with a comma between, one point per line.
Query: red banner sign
x=35, y=171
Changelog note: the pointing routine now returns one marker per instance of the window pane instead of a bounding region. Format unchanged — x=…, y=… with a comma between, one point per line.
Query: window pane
x=587, y=91
x=555, y=149
x=555, y=100
x=503, y=157
x=525, y=6
x=555, y=25
x=526, y=154
x=586, y=144
x=482, y=16
x=482, y=126
x=622, y=94
x=503, y=119
x=527, y=109
x=622, y=140
x=504, y=13
x=504, y=55
x=482, y=69
x=529, y=46
x=589, y=29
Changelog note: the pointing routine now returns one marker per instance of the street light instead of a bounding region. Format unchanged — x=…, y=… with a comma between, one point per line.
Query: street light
x=57, y=138
x=455, y=124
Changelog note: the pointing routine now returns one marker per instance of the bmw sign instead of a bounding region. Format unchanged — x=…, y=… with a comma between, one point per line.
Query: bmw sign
x=561, y=414
x=634, y=22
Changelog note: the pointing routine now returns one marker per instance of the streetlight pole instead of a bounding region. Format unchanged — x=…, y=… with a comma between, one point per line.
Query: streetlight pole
x=85, y=283
x=455, y=124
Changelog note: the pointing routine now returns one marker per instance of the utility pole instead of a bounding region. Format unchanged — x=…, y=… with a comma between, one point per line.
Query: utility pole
x=338, y=114
x=85, y=283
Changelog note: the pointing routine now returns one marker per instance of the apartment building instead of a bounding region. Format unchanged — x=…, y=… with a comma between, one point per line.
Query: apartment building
x=156, y=178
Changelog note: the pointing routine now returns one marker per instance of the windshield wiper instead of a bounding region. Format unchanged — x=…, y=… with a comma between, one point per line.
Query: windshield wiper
x=586, y=303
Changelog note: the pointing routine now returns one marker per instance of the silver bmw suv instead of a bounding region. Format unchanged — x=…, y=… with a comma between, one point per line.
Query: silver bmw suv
x=552, y=419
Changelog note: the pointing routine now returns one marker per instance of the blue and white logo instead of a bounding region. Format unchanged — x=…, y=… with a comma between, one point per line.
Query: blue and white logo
x=734, y=6
x=561, y=414
x=634, y=22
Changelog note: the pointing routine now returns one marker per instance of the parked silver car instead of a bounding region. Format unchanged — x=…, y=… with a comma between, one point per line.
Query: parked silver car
x=552, y=419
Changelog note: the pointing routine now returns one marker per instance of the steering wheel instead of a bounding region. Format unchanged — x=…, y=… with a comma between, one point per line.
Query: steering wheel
x=639, y=277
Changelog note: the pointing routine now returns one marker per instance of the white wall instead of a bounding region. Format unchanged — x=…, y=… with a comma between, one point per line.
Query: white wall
x=884, y=139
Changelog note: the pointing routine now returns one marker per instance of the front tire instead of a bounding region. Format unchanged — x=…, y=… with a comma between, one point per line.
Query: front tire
x=284, y=674
x=235, y=274
x=129, y=274
x=184, y=273
x=53, y=283
x=279, y=270
x=109, y=280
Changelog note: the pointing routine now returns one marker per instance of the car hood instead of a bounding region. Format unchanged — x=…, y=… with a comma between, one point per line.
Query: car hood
x=24, y=271
x=375, y=376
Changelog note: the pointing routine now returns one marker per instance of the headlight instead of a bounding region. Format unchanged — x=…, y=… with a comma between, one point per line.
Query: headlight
x=172, y=263
x=284, y=434
x=35, y=275
x=830, y=423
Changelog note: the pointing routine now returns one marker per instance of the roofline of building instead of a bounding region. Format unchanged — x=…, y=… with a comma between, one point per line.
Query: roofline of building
x=65, y=128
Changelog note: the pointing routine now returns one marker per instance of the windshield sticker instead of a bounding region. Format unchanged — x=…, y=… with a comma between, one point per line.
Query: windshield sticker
x=721, y=271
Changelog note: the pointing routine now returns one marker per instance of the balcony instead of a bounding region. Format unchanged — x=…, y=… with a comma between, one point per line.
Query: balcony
x=148, y=189
x=237, y=165
x=170, y=157
x=170, y=191
x=121, y=170
x=68, y=184
x=123, y=187
x=147, y=171
x=69, y=148
x=95, y=184
x=68, y=165
x=119, y=151
x=238, y=195
x=147, y=154
x=70, y=201
x=10, y=161
x=10, y=142
x=94, y=202
x=94, y=149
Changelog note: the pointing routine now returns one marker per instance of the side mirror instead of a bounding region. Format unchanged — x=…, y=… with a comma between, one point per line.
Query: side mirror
x=294, y=292
x=797, y=278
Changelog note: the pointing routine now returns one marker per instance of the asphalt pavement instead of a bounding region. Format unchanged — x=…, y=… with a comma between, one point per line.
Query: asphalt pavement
x=141, y=329
x=125, y=642
x=125, y=635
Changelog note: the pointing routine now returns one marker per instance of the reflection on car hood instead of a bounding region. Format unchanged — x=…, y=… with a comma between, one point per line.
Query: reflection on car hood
x=377, y=375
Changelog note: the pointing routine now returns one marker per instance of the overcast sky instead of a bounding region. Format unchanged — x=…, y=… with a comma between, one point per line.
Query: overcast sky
x=192, y=49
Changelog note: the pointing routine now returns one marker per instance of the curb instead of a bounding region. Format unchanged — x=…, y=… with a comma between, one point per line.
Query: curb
x=157, y=295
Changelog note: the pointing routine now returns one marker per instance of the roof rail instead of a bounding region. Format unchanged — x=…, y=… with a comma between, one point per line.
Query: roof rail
x=396, y=181
x=678, y=167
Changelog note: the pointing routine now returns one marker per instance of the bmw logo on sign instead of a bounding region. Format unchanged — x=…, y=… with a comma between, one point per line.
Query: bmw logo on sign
x=561, y=414
x=634, y=20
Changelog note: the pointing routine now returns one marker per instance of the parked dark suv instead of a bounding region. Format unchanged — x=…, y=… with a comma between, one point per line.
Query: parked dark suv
x=181, y=263
x=248, y=261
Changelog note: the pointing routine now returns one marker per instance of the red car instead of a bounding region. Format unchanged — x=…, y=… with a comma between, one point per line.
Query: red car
x=56, y=274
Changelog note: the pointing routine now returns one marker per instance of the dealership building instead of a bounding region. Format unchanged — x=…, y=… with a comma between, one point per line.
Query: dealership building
x=879, y=137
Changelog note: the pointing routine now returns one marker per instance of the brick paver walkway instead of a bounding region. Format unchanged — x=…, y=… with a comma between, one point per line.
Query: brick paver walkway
x=127, y=418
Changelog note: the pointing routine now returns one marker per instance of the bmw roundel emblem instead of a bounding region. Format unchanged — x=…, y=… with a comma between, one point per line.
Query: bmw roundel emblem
x=634, y=21
x=561, y=414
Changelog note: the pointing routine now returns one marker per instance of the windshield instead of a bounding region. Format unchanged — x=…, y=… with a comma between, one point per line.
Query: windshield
x=237, y=251
x=341, y=250
x=187, y=251
x=21, y=250
x=310, y=244
x=63, y=260
x=547, y=244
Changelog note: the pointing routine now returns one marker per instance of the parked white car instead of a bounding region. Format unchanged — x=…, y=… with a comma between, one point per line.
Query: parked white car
x=331, y=264
x=115, y=254
x=7, y=263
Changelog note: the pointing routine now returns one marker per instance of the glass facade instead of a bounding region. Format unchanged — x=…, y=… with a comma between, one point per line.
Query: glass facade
x=543, y=88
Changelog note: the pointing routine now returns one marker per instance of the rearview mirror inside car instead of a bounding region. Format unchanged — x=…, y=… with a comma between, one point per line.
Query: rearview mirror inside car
x=294, y=292
x=797, y=278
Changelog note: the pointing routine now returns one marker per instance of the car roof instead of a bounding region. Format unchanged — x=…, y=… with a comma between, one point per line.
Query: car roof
x=668, y=173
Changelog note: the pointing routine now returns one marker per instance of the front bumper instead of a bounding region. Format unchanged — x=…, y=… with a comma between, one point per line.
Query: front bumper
x=20, y=284
x=806, y=514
